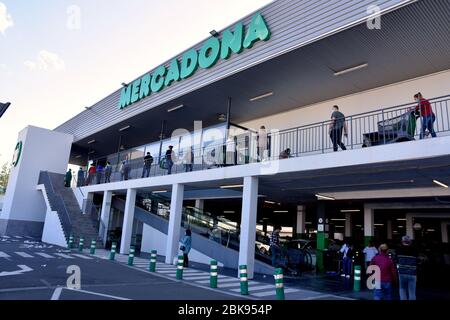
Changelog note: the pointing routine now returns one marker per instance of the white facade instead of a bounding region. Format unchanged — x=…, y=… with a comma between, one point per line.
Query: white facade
x=42, y=150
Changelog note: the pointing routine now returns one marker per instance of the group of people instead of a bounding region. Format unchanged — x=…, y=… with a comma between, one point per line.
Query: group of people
x=400, y=270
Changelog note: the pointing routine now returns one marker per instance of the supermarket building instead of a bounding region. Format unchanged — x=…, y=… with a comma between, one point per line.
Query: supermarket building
x=283, y=67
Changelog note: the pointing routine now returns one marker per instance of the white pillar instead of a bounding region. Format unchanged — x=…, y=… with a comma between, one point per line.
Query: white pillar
x=444, y=231
x=301, y=212
x=409, y=226
x=368, y=221
x=389, y=230
x=348, y=224
x=173, y=234
x=200, y=204
x=248, y=225
x=128, y=217
x=106, y=211
x=87, y=202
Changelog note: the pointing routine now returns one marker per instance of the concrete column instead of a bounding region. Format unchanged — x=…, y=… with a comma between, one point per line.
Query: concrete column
x=348, y=224
x=444, y=231
x=89, y=199
x=128, y=217
x=106, y=211
x=389, y=229
x=300, y=228
x=248, y=224
x=368, y=224
x=173, y=234
x=409, y=226
x=322, y=236
x=200, y=204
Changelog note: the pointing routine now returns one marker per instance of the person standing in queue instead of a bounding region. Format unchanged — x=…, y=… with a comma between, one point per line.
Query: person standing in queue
x=148, y=161
x=186, y=245
x=275, y=248
x=68, y=178
x=388, y=274
x=169, y=159
x=407, y=269
x=80, y=177
x=337, y=127
x=91, y=174
x=108, y=172
x=262, y=143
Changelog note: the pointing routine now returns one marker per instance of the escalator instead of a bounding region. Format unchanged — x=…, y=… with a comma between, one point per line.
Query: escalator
x=212, y=236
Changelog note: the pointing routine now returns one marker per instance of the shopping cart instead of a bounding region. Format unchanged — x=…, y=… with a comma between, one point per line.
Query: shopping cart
x=398, y=129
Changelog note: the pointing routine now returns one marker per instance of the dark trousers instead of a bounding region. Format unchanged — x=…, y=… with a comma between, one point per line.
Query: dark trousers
x=107, y=177
x=185, y=260
x=188, y=167
x=336, y=138
x=146, y=171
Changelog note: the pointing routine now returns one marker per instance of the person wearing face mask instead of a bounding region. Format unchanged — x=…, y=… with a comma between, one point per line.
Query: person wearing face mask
x=426, y=114
x=337, y=127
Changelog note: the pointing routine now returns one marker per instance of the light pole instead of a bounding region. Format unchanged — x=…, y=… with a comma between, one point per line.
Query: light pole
x=4, y=107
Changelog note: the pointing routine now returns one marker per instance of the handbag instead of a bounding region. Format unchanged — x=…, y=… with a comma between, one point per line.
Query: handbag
x=182, y=248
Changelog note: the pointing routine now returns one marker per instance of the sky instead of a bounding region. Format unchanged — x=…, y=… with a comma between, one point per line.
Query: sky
x=58, y=57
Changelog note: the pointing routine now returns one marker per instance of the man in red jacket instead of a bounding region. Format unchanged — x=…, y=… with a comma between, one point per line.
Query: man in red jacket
x=388, y=273
x=427, y=115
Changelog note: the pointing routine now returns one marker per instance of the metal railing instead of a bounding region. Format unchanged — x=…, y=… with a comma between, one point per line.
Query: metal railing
x=56, y=202
x=389, y=125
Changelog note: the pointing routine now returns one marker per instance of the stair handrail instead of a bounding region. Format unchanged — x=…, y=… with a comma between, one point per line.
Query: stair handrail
x=56, y=203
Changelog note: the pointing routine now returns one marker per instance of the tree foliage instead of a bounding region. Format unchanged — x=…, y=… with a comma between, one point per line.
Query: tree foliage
x=4, y=176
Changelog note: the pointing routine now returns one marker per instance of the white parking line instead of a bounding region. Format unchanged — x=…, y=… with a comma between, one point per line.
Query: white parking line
x=24, y=254
x=42, y=254
x=81, y=256
x=223, y=280
x=3, y=255
x=62, y=255
x=258, y=288
x=272, y=293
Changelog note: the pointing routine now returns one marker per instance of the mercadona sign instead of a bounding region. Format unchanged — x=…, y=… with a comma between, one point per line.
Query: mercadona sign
x=212, y=50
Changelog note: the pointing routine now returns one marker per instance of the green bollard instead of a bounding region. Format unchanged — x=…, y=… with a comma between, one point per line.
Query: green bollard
x=279, y=283
x=213, y=279
x=70, y=242
x=93, y=245
x=357, y=279
x=81, y=245
x=131, y=257
x=112, y=255
x=244, y=280
x=152, y=266
x=180, y=267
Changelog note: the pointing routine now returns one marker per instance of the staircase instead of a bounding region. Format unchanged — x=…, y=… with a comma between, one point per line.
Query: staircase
x=63, y=201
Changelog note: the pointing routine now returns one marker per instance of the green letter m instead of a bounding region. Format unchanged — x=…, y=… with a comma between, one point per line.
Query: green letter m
x=125, y=97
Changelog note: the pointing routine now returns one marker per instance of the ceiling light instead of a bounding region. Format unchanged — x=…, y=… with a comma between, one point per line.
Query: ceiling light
x=265, y=95
x=440, y=184
x=93, y=151
x=339, y=226
x=322, y=197
x=78, y=157
x=350, y=210
x=176, y=108
x=229, y=212
x=431, y=230
x=281, y=211
x=124, y=128
x=401, y=219
x=232, y=186
x=91, y=142
x=338, y=219
x=378, y=224
x=270, y=202
x=159, y=191
x=351, y=69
